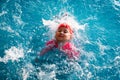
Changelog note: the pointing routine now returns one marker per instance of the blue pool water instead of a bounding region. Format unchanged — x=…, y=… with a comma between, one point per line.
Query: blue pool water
x=25, y=26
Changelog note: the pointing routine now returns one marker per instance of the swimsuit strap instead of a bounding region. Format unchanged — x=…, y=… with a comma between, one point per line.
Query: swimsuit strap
x=52, y=43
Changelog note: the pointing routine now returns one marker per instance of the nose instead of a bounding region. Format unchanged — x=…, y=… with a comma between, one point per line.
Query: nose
x=61, y=32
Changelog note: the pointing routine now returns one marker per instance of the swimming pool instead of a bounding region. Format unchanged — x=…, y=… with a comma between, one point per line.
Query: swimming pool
x=25, y=26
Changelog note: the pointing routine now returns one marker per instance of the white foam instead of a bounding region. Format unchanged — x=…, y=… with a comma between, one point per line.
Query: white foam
x=7, y=28
x=27, y=70
x=102, y=47
x=117, y=2
x=48, y=75
x=89, y=75
x=51, y=24
x=65, y=18
x=3, y=13
x=12, y=54
x=18, y=20
x=25, y=74
x=117, y=58
x=17, y=17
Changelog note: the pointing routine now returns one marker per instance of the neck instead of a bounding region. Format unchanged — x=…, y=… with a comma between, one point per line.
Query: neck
x=61, y=42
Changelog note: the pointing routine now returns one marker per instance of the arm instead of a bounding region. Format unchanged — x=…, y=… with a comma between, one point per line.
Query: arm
x=71, y=51
x=46, y=49
x=42, y=52
x=49, y=45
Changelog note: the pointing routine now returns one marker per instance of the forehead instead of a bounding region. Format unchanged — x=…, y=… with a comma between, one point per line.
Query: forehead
x=62, y=28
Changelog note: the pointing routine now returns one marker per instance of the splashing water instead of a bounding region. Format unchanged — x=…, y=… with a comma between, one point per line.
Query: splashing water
x=65, y=18
x=25, y=26
x=12, y=54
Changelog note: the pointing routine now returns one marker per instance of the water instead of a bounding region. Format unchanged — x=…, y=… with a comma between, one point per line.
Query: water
x=25, y=26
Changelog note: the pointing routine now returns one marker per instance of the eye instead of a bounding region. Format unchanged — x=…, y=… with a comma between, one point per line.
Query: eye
x=65, y=31
x=59, y=30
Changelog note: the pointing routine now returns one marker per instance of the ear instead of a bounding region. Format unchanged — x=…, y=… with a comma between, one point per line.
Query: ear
x=71, y=36
x=55, y=34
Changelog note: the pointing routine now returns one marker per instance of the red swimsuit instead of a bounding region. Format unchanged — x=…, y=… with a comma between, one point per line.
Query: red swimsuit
x=68, y=48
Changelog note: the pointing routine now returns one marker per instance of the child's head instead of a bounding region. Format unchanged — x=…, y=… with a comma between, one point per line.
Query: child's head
x=64, y=33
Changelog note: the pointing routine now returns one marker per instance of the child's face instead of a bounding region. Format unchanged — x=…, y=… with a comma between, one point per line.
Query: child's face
x=63, y=34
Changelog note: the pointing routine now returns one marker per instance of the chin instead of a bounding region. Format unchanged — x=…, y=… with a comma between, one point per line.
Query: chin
x=60, y=40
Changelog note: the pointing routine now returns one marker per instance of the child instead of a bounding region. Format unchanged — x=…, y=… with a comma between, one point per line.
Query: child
x=62, y=39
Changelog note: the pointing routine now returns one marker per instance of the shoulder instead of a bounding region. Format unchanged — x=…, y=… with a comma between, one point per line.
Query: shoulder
x=69, y=46
x=50, y=42
x=71, y=50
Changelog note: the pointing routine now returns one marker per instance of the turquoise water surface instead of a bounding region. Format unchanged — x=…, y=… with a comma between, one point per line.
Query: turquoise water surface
x=26, y=25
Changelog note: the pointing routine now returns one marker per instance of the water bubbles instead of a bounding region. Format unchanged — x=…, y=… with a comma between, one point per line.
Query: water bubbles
x=18, y=20
x=117, y=60
x=95, y=60
x=27, y=70
x=47, y=76
x=117, y=2
x=48, y=73
x=102, y=47
x=3, y=13
x=65, y=18
x=7, y=28
x=25, y=74
x=12, y=54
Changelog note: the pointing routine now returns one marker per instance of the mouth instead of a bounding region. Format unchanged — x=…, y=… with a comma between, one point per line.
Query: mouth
x=61, y=35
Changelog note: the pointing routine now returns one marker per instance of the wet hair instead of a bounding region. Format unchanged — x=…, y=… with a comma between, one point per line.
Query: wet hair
x=66, y=26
